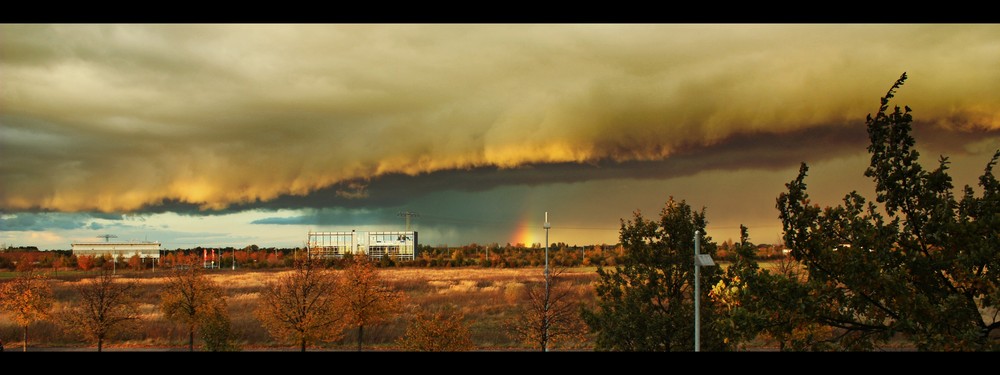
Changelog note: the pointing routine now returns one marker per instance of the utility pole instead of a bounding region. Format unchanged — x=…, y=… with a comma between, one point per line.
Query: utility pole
x=408, y=215
x=114, y=259
x=545, y=317
x=697, y=292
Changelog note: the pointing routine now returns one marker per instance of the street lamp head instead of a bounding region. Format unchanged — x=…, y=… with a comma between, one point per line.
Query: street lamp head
x=704, y=260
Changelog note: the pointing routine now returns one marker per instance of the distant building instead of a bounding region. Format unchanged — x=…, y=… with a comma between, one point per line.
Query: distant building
x=143, y=249
x=399, y=245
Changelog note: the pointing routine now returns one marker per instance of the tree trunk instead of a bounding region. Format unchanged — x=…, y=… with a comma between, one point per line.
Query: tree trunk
x=303, y=343
x=546, y=316
x=100, y=344
x=24, y=345
x=544, y=336
x=361, y=330
x=191, y=339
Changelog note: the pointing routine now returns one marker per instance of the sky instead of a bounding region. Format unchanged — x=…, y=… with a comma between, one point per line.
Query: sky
x=232, y=135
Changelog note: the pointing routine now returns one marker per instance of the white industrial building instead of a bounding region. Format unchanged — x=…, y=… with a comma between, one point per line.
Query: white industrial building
x=399, y=245
x=143, y=249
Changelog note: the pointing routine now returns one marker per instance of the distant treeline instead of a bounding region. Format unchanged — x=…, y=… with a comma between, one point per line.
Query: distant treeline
x=254, y=257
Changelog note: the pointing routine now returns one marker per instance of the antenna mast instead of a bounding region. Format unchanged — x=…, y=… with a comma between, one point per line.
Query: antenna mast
x=408, y=215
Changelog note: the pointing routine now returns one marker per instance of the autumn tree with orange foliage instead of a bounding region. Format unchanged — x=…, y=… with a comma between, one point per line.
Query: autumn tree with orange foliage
x=108, y=306
x=438, y=332
x=58, y=263
x=190, y=298
x=135, y=262
x=29, y=298
x=366, y=298
x=85, y=262
x=302, y=306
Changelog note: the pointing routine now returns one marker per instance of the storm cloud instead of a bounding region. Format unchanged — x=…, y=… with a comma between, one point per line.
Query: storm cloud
x=211, y=118
x=28, y=221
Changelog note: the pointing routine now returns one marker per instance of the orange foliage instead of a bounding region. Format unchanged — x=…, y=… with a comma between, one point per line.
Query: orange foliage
x=368, y=299
x=439, y=332
x=85, y=262
x=242, y=257
x=108, y=306
x=135, y=262
x=189, y=297
x=302, y=306
x=28, y=297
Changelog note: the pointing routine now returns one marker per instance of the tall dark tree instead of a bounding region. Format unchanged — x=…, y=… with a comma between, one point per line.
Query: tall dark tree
x=925, y=265
x=646, y=303
x=765, y=305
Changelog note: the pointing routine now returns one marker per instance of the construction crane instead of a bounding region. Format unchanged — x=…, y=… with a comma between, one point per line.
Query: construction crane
x=408, y=215
x=107, y=237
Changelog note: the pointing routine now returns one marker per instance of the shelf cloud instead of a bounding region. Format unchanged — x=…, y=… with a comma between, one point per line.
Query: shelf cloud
x=210, y=118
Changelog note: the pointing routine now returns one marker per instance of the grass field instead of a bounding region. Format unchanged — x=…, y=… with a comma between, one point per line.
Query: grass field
x=489, y=298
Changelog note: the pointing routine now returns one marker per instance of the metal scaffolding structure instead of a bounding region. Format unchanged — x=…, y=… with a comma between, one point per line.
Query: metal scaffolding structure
x=398, y=245
x=143, y=249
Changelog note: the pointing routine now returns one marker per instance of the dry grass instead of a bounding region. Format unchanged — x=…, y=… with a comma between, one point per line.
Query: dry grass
x=488, y=297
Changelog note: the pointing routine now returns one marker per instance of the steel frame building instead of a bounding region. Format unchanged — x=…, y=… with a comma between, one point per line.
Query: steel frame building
x=143, y=249
x=398, y=245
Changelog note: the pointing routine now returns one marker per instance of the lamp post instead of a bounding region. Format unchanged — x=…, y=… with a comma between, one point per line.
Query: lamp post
x=700, y=260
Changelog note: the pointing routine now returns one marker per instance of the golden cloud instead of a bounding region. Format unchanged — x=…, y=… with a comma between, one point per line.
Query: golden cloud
x=120, y=117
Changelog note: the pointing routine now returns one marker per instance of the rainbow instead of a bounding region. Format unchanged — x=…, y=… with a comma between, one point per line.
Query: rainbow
x=527, y=232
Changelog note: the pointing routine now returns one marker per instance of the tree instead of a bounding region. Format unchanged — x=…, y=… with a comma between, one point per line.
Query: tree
x=108, y=306
x=216, y=330
x=733, y=292
x=302, y=306
x=29, y=298
x=85, y=262
x=366, y=298
x=764, y=303
x=925, y=265
x=550, y=316
x=646, y=303
x=189, y=297
x=135, y=262
x=441, y=331
x=58, y=262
